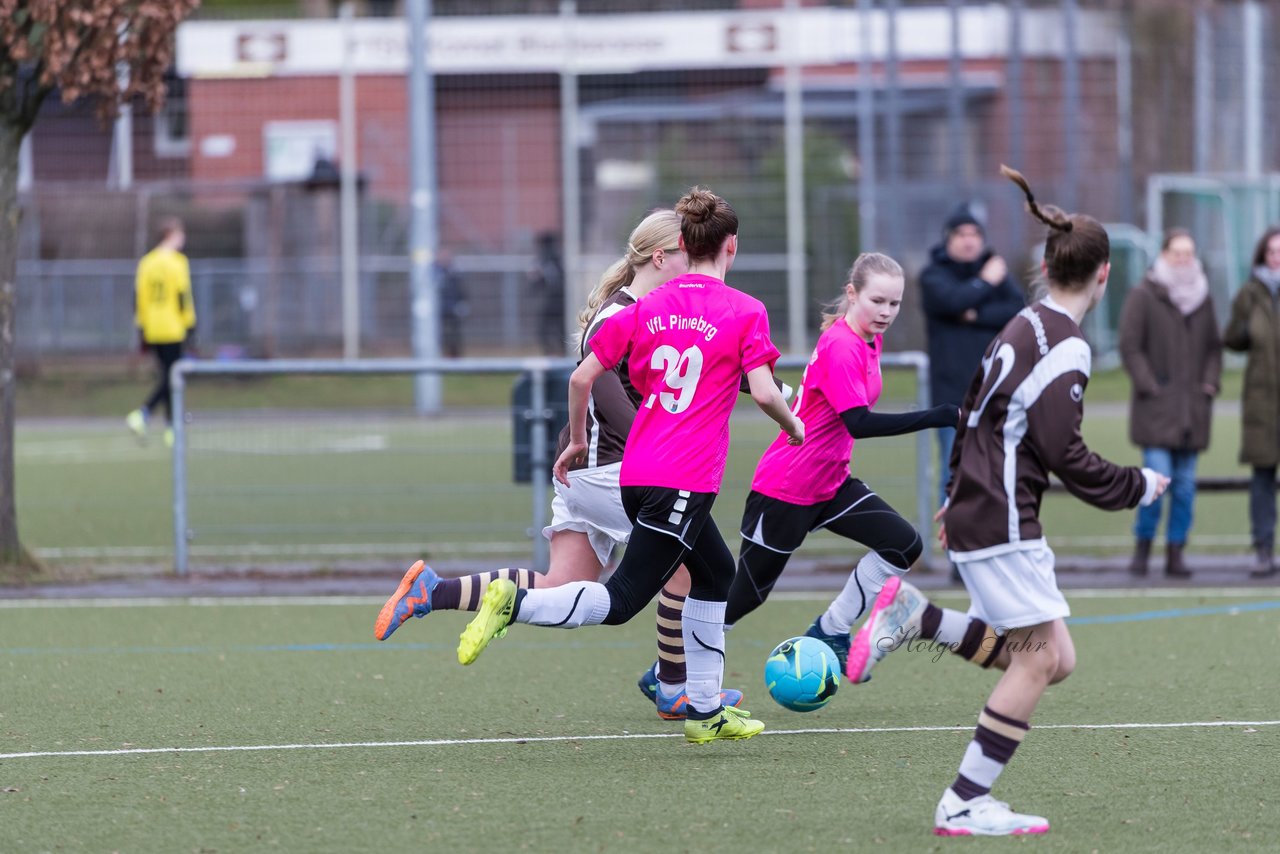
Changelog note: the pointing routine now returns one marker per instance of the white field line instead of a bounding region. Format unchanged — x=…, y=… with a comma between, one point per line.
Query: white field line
x=790, y=596
x=625, y=736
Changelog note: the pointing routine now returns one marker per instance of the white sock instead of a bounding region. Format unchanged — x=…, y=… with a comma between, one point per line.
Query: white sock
x=952, y=627
x=859, y=592
x=703, y=653
x=579, y=603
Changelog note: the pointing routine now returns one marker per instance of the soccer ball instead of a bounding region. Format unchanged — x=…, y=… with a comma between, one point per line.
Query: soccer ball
x=802, y=674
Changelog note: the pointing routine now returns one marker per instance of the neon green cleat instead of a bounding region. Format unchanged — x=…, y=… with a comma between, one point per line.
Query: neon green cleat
x=731, y=723
x=168, y=437
x=496, y=608
x=137, y=423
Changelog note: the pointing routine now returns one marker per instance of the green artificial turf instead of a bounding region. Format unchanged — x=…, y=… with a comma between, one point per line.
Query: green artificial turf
x=318, y=738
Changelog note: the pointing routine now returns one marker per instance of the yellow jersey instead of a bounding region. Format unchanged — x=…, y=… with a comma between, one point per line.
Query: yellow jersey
x=163, y=309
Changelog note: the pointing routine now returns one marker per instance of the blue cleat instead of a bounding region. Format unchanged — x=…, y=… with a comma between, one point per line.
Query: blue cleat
x=411, y=599
x=676, y=708
x=839, y=643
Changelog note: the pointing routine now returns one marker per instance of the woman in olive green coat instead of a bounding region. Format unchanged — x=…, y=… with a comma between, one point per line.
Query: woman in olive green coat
x=1254, y=329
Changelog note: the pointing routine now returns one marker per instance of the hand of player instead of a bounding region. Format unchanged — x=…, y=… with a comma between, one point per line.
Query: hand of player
x=942, y=526
x=795, y=433
x=1154, y=486
x=994, y=271
x=574, y=452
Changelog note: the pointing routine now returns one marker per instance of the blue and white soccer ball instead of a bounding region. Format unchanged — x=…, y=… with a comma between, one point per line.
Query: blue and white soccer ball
x=802, y=674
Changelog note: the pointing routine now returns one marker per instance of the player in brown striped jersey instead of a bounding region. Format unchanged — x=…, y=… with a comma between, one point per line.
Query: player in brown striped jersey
x=1020, y=422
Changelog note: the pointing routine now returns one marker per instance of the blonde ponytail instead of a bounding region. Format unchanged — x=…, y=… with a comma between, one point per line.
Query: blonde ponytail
x=659, y=230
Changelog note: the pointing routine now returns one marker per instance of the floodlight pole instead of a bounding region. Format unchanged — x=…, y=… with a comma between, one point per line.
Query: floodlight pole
x=794, y=135
x=350, y=248
x=423, y=228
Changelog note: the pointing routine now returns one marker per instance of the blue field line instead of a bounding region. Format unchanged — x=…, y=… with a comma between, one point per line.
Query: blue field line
x=1173, y=613
x=1104, y=619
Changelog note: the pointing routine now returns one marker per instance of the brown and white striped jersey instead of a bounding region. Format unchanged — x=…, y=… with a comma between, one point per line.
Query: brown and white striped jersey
x=1020, y=421
x=613, y=402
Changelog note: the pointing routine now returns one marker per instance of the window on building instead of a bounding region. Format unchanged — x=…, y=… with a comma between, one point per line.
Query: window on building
x=172, y=133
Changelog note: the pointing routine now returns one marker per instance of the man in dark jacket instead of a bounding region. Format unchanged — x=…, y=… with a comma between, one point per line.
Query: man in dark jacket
x=968, y=296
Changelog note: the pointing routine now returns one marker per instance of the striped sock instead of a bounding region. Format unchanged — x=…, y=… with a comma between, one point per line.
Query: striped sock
x=671, y=670
x=463, y=594
x=994, y=742
x=968, y=637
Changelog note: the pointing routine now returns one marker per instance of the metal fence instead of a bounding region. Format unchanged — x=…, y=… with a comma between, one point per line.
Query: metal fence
x=276, y=484
x=833, y=127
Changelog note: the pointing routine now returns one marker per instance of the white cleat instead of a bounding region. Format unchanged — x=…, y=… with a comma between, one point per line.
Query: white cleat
x=895, y=618
x=982, y=816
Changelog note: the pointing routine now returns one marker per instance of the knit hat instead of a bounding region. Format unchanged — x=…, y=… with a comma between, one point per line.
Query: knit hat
x=962, y=215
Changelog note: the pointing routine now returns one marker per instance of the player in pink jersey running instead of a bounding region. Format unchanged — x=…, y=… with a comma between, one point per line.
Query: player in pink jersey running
x=798, y=490
x=687, y=345
x=588, y=522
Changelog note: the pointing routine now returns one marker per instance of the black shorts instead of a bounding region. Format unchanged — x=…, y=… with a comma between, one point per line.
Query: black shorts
x=781, y=526
x=678, y=513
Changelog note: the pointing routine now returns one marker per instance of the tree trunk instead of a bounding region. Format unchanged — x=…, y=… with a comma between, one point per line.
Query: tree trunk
x=11, y=552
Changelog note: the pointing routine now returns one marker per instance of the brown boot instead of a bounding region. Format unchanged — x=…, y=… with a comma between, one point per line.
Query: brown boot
x=1141, y=554
x=1266, y=565
x=1173, y=564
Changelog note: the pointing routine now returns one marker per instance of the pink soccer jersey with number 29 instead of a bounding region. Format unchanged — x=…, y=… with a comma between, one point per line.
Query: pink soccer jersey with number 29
x=689, y=342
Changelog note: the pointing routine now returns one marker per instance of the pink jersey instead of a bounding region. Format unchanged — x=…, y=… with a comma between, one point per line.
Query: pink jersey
x=689, y=342
x=843, y=373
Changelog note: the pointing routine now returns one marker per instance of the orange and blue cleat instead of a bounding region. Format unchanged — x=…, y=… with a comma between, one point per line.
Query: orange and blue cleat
x=411, y=599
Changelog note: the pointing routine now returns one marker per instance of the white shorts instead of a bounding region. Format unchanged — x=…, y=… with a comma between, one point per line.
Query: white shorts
x=1014, y=590
x=592, y=506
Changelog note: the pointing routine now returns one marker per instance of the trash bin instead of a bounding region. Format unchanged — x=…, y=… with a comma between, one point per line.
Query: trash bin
x=557, y=404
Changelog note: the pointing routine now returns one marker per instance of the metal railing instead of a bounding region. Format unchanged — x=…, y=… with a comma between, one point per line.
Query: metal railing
x=538, y=413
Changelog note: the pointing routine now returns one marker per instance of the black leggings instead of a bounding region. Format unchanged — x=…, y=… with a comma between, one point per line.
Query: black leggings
x=652, y=558
x=872, y=522
x=166, y=355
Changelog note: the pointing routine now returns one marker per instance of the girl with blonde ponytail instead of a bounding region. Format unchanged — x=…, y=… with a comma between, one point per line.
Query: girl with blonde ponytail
x=652, y=256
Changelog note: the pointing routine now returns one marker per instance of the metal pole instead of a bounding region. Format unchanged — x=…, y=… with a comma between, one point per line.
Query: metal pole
x=924, y=459
x=1071, y=100
x=350, y=246
x=571, y=182
x=1124, y=114
x=422, y=205
x=894, y=130
x=957, y=155
x=866, y=133
x=1017, y=152
x=1253, y=105
x=539, y=467
x=177, y=392
x=1203, y=126
x=793, y=117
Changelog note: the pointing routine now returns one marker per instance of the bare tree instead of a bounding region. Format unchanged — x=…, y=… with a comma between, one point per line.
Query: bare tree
x=111, y=51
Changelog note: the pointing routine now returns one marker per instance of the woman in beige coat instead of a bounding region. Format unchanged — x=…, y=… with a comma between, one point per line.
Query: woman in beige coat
x=1172, y=352
x=1254, y=329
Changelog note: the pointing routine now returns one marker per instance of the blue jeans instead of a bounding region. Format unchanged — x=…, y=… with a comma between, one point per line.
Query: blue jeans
x=1180, y=468
x=946, y=438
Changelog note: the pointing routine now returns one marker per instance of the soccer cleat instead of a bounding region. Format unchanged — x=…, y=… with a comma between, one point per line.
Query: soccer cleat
x=982, y=816
x=895, y=617
x=137, y=423
x=496, y=608
x=411, y=599
x=729, y=724
x=676, y=708
x=839, y=643
x=168, y=437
